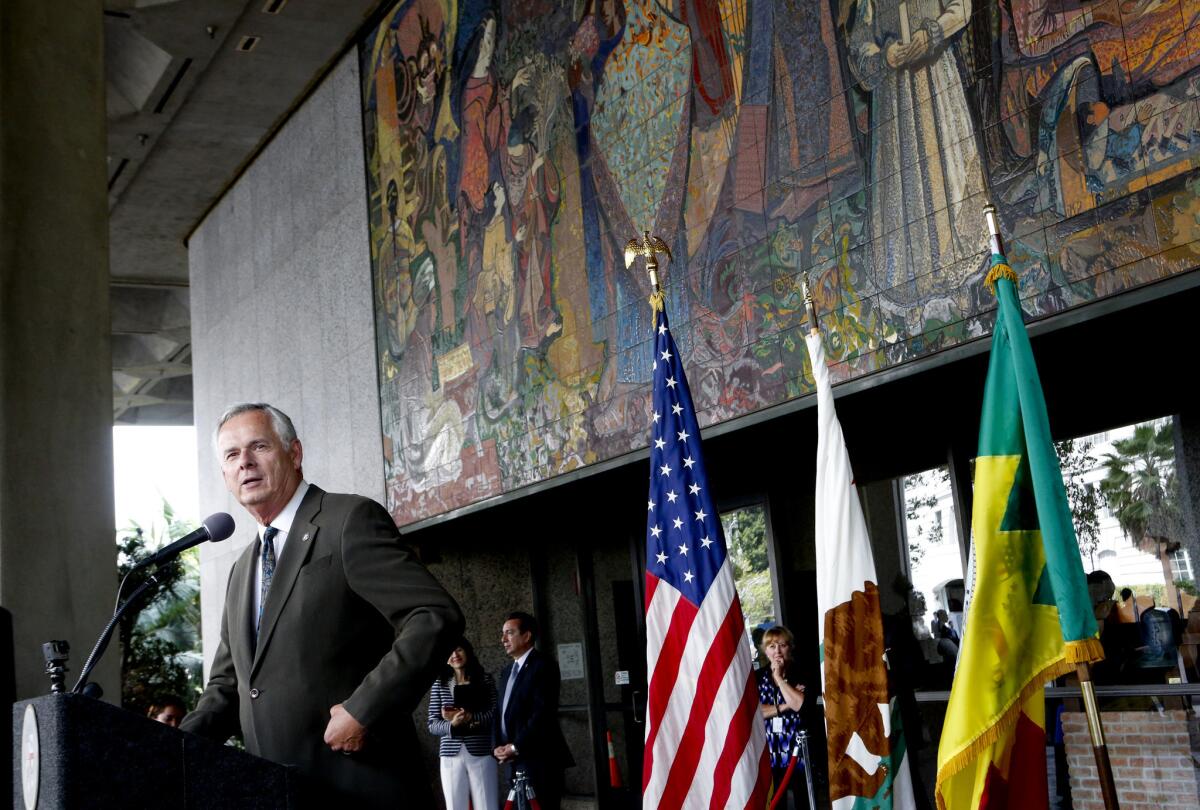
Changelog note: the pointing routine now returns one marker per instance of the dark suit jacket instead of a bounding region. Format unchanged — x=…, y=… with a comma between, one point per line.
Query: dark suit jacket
x=531, y=718
x=352, y=617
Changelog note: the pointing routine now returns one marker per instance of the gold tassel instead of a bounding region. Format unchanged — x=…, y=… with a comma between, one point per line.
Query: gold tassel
x=1003, y=724
x=1084, y=651
x=658, y=301
x=998, y=272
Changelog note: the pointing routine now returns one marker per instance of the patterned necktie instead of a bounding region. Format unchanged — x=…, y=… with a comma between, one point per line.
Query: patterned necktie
x=268, y=570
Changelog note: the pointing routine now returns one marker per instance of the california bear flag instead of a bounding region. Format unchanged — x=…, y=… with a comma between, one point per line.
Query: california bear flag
x=867, y=763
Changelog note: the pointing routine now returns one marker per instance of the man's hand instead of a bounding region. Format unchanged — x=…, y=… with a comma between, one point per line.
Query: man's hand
x=521, y=77
x=918, y=48
x=344, y=733
x=894, y=55
x=504, y=753
x=900, y=55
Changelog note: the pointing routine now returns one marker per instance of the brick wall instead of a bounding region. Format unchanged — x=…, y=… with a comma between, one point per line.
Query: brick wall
x=1151, y=758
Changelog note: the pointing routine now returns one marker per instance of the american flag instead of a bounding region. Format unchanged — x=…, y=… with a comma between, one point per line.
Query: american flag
x=705, y=745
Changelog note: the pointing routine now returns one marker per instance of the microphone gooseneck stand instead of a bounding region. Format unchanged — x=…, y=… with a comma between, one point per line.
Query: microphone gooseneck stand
x=214, y=528
x=106, y=635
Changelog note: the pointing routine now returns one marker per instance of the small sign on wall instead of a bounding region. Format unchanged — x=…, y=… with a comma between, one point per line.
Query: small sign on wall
x=454, y=363
x=570, y=661
x=622, y=678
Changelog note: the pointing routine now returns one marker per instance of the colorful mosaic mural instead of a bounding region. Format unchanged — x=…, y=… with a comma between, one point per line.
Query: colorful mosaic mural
x=513, y=149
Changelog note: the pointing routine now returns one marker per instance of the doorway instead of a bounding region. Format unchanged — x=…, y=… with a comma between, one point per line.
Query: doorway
x=591, y=599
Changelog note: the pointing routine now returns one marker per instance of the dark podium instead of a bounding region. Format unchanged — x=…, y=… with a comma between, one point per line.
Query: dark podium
x=95, y=755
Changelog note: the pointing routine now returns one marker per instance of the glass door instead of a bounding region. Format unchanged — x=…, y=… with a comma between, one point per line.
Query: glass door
x=617, y=667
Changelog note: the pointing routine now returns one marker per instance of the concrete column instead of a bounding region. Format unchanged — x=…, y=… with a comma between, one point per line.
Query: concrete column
x=883, y=508
x=57, y=550
x=958, y=460
x=1187, y=468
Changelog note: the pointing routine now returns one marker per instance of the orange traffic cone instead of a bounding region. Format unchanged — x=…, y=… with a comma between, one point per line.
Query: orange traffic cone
x=614, y=770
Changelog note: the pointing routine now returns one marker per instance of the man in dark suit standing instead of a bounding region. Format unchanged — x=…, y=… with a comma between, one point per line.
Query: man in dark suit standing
x=527, y=726
x=332, y=630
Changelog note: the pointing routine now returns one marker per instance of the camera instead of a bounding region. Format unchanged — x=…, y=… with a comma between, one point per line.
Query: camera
x=56, y=654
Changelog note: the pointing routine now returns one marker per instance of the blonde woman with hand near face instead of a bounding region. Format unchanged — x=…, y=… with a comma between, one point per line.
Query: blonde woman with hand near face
x=782, y=699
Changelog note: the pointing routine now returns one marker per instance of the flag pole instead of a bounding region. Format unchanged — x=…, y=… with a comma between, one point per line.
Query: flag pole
x=808, y=305
x=1108, y=787
x=688, y=572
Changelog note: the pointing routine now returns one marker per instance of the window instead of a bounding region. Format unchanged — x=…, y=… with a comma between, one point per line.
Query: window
x=1124, y=500
x=1181, y=565
x=935, y=573
x=746, y=533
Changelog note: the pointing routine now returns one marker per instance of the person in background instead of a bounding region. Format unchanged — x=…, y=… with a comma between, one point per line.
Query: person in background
x=1127, y=609
x=945, y=635
x=1100, y=590
x=528, y=737
x=168, y=710
x=462, y=708
x=782, y=697
x=759, y=657
x=1118, y=641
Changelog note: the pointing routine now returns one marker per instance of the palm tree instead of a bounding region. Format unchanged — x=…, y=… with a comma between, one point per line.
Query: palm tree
x=1140, y=488
x=160, y=636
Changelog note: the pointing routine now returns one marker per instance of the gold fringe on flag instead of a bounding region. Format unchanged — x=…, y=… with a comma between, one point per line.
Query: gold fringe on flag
x=657, y=301
x=1006, y=722
x=999, y=271
x=1084, y=651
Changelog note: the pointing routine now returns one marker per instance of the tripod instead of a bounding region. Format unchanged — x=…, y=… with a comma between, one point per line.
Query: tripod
x=521, y=796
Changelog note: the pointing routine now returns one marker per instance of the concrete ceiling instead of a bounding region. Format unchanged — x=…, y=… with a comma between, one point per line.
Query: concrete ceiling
x=192, y=95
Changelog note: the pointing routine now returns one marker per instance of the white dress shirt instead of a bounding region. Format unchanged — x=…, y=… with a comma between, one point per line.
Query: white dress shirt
x=282, y=522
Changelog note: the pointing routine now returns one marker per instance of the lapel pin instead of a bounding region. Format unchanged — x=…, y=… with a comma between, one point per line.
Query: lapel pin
x=305, y=537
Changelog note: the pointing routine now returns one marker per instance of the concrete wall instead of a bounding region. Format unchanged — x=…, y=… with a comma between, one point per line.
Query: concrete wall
x=56, y=491
x=281, y=308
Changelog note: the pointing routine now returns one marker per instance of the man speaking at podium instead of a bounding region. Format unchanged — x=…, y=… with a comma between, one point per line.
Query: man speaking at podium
x=332, y=630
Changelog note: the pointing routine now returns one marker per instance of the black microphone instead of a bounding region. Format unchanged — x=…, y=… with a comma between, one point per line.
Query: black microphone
x=216, y=527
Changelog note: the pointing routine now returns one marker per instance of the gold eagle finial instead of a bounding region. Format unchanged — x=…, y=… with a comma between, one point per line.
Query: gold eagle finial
x=648, y=246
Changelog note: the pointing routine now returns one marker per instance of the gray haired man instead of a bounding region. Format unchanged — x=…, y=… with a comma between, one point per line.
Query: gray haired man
x=332, y=630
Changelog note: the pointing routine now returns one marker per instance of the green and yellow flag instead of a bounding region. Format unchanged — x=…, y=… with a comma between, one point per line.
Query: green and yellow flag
x=1030, y=618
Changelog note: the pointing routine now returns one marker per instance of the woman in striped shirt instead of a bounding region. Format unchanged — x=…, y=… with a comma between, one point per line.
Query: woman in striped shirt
x=462, y=707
